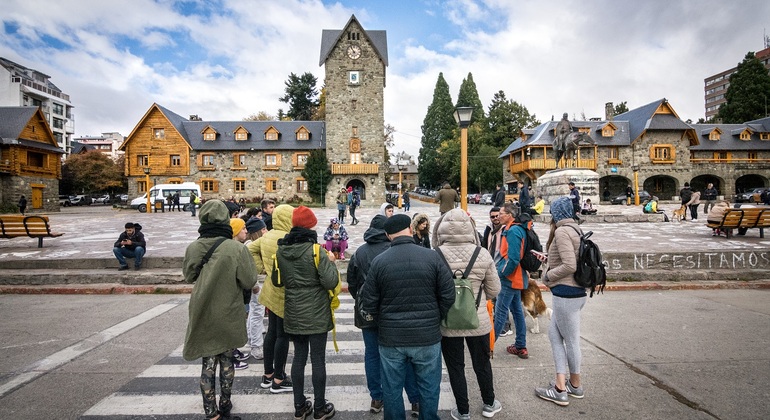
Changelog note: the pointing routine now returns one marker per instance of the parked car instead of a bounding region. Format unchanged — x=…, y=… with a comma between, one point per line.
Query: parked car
x=750, y=196
x=124, y=198
x=621, y=199
x=103, y=199
x=486, y=199
x=80, y=200
x=64, y=201
x=474, y=198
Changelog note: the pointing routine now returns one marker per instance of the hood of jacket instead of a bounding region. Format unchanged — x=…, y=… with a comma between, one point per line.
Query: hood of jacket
x=417, y=218
x=214, y=212
x=382, y=208
x=455, y=227
x=282, y=217
x=375, y=233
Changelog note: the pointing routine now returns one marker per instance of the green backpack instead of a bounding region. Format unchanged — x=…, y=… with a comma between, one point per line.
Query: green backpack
x=462, y=315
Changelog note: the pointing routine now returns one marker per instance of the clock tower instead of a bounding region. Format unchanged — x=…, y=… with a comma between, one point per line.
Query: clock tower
x=355, y=61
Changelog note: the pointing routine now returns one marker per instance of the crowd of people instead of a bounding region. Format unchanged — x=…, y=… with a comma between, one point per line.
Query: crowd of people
x=405, y=337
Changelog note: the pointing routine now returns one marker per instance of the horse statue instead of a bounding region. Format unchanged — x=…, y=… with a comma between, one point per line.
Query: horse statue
x=567, y=146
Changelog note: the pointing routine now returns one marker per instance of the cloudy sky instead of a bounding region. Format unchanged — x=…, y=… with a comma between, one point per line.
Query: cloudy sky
x=227, y=59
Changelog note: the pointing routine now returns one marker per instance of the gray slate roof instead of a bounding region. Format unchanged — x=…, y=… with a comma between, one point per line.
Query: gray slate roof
x=729, y=139
x=13, y=120
x=330, y=37
x=543, y=135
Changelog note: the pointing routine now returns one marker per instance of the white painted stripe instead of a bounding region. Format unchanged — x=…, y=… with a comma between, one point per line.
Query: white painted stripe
x=165, y=371
x=63, y=356
x=345, y=398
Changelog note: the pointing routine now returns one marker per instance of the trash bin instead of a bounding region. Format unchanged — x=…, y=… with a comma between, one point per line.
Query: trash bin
x=159, y=206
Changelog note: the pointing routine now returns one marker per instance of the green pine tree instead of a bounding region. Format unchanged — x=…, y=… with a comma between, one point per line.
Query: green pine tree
x=302, y=97
x=748, y=92
x=438, y=127
x=318, y=174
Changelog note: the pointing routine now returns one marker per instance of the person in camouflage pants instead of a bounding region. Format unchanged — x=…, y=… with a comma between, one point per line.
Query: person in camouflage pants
x=209, y=387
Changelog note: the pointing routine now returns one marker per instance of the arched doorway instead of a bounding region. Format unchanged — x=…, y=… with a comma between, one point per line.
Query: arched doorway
x=357, y=185
x=700, y=182
x=615, y=185
x=749, y=182
x=661, y=186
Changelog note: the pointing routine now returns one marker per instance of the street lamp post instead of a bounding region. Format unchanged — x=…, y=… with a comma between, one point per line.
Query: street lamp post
x=463, y=118
x=147, y=186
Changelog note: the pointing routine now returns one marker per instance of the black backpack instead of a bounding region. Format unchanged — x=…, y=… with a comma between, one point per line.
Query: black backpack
x=529, y=261
x=590, y=272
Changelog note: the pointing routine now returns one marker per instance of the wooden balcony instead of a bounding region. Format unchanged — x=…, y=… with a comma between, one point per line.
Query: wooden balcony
x=548, y=164
x=355, y=169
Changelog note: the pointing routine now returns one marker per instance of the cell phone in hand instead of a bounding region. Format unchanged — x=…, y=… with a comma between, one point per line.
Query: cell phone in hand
x=539, y=254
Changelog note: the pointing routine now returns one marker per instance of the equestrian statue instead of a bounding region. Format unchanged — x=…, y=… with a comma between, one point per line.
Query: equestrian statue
x=566, y=141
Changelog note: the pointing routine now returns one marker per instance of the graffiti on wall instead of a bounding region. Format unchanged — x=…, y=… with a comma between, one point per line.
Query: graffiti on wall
x=732, y=260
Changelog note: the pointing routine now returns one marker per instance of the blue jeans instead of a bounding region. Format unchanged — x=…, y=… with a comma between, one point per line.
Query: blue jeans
x=121, y=254
x=373, y=369
x=510, y=300
x=426, y=362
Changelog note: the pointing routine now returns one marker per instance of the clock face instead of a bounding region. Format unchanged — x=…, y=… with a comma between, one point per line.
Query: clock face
x=354, y=51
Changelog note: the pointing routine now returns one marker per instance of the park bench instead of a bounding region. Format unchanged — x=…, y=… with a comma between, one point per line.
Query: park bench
x=16, y=226
x=743, y=220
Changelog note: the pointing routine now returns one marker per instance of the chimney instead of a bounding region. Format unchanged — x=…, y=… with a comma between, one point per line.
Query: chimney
x=609, y=111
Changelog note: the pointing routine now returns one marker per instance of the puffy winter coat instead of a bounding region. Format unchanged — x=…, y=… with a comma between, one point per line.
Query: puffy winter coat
x=408, y=291
x=358, y=267
x=457, y=239
x=263, y=250
x=563, y=255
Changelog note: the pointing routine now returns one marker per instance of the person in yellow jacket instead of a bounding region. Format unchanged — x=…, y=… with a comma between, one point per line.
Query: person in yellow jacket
x=276, y=346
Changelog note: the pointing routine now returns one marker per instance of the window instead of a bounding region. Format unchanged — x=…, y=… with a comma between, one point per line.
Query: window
x=209, y=185
x=141, y=186
x=241, y=135
x=714, y=135
x=209, y=135
x=271, y=160
x=353, y=103
x=745, y=134
x=207, y=160
x=301, y=186
x=36, y=159
x=764, y=136
x=176, y=160
x=58, y=123
x=302, y=135
x=355, y=132
x=752, y=155
x=662, y=153
x=143, y=160
x=159, y=133
x=58, y=109
x=271, y=184
x=608, y=131
x=720, y=155
x=300, y=160
x=613, y=153
x=355, y=158
x=271, y=134
x=59, y=137
x=239, y=160
x=239, y=185
x=586, y=130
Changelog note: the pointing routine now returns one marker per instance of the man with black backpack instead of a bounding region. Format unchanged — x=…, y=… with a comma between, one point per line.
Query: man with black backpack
x=513, y=278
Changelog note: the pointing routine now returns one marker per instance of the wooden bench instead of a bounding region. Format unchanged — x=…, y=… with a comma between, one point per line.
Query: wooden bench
x=16, y=226
x=743, y=220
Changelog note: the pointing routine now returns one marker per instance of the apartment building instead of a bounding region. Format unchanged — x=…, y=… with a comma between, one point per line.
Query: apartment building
x=107, y=143
x=715, y=87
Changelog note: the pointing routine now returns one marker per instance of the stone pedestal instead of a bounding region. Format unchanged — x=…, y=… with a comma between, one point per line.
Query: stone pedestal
x=553, y=184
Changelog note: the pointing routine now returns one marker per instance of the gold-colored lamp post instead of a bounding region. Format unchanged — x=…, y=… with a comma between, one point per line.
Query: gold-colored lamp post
x=463, y=117
x=147, y=186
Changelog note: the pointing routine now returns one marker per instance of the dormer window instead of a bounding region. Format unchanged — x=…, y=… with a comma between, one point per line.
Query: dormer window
x=271, y=133
x=714, y=135
x=586, y=130
x=302, y=133
x=241, y=133
x=745, y=135
x=209, y=133
x=608, y=130
x=764, y=136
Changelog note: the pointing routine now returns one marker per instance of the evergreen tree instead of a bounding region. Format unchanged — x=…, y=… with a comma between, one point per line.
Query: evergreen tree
x=484, y=169
x=506, y=120
x=620, y=108
x=469, y=96
x=318, y=174
x=301, y=95
x=748, y=92
x=438, y=127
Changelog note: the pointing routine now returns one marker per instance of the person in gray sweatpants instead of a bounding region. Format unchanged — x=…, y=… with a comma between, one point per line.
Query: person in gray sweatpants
x=568, y=300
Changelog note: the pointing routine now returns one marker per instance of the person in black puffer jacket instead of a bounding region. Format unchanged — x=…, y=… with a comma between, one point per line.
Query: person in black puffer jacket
x=408, y=291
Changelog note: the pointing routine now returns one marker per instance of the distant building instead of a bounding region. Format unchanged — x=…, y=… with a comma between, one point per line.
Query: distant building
x=715, y=87
x=107, y=143
x=22, y=86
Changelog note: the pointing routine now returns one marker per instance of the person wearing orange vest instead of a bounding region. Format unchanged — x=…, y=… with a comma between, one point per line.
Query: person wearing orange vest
x=513, y=280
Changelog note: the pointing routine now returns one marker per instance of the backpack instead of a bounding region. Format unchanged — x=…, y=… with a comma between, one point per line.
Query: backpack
x=462, y=315
x=356, y=200
x=648, y=207
x=529, y=261
x=590, y=272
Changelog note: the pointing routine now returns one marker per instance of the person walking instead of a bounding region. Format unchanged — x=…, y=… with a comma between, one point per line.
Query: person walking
x=447, y=197
x=307, y=310
x=220, y=268
x=355, y=202
x=629, y=194
x=710, y=196
x=177, y=197
x=342, y=201
x=513, y=279
x=568, y=300
x=131, y=244
x=194, y=201
x=456, y=239
x=276, y=346
x=499, y=197
x=407, y=201
x=685, y=194
x=408, y=323
x=574, y=196
x=525, y=201
x=693, y=204
x=22, y=204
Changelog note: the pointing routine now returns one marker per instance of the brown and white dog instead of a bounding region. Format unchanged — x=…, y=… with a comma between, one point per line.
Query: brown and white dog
x=679, y=214
x=532, y=301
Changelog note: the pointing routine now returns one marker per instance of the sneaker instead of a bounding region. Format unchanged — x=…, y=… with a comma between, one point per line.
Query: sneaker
x=375, y=407
x=266, y=382
x=416, y=410
x=284, y=386
x=551, y=394
x=506, y=333
x=457, y=416
x=574, y=392
x=239, y=356
x=123, y=268
x=325, y=412
x=491, y=410
x=521, y=352
x=238, y=365
x=303, y=410
x=257, y=354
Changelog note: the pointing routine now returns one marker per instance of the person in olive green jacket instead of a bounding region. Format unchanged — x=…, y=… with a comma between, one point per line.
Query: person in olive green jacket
x=216, y=323
x=276, y=346
x=308, y=315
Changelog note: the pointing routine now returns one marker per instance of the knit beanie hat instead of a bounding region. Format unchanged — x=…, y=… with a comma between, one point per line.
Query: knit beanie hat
x=237, y=224
x=303, y=217
x=255, y=225
x=561, y=209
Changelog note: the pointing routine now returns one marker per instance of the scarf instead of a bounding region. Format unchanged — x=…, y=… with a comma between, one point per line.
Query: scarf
x=299, y=235
x=212, y=230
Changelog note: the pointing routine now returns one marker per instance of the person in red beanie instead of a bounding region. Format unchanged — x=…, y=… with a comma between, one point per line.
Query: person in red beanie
x=307, y=308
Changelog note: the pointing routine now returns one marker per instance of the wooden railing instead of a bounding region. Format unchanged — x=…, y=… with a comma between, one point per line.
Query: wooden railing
x=546, y=164
x=729, y=160
x=353, y=169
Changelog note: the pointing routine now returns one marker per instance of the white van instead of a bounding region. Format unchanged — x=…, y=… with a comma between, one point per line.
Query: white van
x=161, y=191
